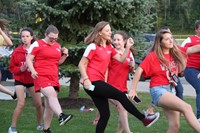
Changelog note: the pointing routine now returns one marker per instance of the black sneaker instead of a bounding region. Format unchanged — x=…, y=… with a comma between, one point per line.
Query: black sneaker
x=63, y=118
x=14, y=96
x=48, y=130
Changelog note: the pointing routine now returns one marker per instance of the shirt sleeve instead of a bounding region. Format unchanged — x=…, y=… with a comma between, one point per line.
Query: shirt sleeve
x=188, y=40
x=90, y=51
x=33, y=48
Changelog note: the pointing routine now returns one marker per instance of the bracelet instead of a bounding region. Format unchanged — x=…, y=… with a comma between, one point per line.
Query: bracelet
x=85, y=79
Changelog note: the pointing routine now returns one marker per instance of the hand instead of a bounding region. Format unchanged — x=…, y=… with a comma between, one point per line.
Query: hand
x=130, y=42
x=131, y=94
x=131, y=64
x=34, y=75
x=65, y=51
x=23, y=67
x=86, y=84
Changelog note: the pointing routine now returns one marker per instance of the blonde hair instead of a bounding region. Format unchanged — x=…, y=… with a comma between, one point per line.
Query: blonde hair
x=178, y=56
x=94, y=35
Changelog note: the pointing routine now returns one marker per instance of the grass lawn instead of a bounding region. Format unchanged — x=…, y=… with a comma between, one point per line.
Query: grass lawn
x=82, y=121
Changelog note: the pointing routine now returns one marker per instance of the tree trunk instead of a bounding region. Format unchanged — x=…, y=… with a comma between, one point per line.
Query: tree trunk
x=74, y=86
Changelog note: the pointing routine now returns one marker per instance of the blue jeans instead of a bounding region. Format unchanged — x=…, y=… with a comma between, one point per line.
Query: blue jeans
x=191, y=77
x=179, y=89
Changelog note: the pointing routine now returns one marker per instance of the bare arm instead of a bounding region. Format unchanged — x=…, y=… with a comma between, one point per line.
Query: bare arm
x=65, y=55
x=29, y=61
x=122, y=58
x=7, y=40
x=193, y=49
x=135, y=81
x=82, y=67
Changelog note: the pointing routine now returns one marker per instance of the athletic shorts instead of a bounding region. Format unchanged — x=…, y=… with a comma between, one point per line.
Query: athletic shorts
x=43, y=81
x=25, y=85
x=157, y=91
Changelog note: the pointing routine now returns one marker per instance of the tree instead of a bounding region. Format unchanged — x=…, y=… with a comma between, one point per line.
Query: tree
x=74, y=18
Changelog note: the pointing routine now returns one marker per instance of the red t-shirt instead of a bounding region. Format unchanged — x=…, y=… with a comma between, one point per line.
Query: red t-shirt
x=46, y=57
x=158, y=72
x=193, y=60
x=118, y=73
x=99, y=58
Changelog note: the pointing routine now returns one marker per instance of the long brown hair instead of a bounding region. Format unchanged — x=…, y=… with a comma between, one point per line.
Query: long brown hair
x=175, y=52
x=94, y=35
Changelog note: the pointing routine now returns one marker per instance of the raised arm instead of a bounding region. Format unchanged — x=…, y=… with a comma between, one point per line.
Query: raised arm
x=64, y=56
x=7, y=40
x=122, y=58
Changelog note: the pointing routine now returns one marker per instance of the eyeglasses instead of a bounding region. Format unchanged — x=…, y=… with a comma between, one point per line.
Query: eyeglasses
x=52, y=38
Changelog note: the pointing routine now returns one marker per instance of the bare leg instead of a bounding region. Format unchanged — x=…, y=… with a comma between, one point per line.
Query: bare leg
x=123, y=119
x=48, y=114
x=20, y=104
x=5, y=90
x=38, y=104
x=171, y=102
x=51, y=95
x=173, y=118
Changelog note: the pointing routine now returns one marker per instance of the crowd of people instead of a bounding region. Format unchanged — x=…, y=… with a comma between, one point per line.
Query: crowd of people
x=104, y=69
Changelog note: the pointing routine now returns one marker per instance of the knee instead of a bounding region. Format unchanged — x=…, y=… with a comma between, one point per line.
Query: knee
x=174, y=127
x=38, y=105
x=188, y=107
x=20, y=104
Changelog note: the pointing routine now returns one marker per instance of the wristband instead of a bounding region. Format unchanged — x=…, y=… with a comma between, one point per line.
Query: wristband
x=85, y=79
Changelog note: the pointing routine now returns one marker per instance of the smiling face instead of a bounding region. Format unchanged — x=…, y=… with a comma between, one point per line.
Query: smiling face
x=118, y=41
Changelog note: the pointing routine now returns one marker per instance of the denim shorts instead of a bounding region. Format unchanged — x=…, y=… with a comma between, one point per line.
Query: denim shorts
x=157, y=91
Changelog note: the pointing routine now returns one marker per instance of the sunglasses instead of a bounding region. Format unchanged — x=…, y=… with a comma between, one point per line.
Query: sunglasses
x=52, y=38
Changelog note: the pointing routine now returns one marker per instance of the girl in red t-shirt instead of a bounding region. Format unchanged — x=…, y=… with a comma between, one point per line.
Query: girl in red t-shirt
x=163, y=64
x=93, y=66
x=43, y=59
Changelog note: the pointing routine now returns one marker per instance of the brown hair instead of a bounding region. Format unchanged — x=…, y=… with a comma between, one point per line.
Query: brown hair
x=30, y=31
x=175, y=52
x=51, y=28
x=3, y=24
x=125, y=38
x=94, y=36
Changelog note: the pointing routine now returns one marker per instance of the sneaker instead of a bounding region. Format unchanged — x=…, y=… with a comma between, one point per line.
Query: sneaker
x=12, y=130
x=63, y=118
x=40, y=127
x=149, y=115
x=48, y=130
x=149, y=120
x=14, y=96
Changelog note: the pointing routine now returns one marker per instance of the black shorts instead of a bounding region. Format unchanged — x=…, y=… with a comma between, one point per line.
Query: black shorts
x=26, y=85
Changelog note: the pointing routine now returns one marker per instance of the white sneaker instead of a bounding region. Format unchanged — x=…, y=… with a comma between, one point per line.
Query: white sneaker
x=12, y=130
x=40, y=127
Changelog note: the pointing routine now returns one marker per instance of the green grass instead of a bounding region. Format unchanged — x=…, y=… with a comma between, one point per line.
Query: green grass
x=82, y=121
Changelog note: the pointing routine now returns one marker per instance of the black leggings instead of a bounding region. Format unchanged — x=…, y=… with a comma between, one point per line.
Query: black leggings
x=100, y=96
